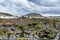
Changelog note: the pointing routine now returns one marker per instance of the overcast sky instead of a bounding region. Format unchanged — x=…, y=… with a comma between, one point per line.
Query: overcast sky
x=22, y=7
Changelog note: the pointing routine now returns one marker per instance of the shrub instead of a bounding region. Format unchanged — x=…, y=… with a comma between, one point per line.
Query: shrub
x=38, y=26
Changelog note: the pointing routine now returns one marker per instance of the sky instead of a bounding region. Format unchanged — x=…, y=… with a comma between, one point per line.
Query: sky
x=22, y=7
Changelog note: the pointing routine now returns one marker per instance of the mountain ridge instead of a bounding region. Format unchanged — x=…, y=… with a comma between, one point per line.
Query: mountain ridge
x=5, y=14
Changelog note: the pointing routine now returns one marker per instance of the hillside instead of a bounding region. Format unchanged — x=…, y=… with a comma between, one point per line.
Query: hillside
x=5, y=14
x=34, y=15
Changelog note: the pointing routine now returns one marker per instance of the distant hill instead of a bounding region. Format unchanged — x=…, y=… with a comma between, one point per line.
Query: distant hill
x=5, y=14
x=34, y=15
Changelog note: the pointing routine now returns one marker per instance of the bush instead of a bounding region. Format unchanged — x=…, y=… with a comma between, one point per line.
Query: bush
x=38, y=26
x=19, y=39
x=51, y=35
x=1, y=32
x=33, y=24
x=9, y=33
x=21, y=27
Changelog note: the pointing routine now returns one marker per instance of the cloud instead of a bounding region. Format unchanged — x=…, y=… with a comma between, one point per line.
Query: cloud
x=47, y=6
x=21, y=7
x=2, y=0
x=46, y=2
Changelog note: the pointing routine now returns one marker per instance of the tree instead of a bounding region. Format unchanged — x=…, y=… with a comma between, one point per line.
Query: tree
x=23, y=17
